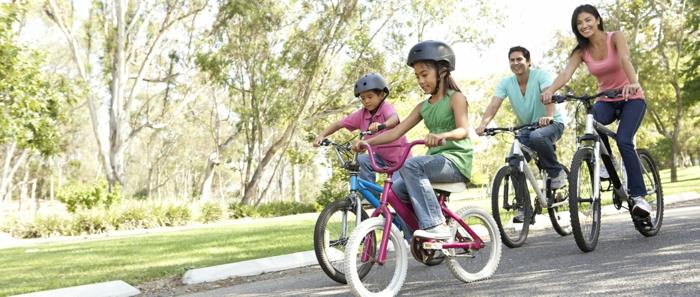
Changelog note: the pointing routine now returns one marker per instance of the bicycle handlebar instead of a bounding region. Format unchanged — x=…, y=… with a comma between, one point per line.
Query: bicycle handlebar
x=570, y=97
x=494, y=131
x=407, y=149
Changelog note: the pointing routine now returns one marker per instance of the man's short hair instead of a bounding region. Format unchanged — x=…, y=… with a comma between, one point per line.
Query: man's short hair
x=526, y=53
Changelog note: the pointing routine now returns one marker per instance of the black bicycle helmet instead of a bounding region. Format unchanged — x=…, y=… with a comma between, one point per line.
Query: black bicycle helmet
x=370, y=81
x=431, y=50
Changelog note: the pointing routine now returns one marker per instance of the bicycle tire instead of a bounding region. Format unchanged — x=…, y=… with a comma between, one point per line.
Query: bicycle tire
x=321, y=249
x=583, y=208
x=492, y=248
x=652, y=183
x=559, y=215
x=371, y=231
x=504, y=208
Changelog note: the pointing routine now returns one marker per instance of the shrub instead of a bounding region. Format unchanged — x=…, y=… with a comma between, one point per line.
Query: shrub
x=137, y=215
x=92, y=222
x=283, y=208
x=177, y=215
x=211, y=212
x=86, y=196
x=237, y=210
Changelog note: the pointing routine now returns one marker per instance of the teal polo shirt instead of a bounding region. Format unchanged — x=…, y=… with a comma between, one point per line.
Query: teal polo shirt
x=528, y=108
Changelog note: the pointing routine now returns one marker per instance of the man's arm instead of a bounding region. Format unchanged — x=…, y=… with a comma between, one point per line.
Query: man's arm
x=490, y=112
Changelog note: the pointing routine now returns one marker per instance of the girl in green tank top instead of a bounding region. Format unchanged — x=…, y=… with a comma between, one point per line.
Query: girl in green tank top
x=449, y=158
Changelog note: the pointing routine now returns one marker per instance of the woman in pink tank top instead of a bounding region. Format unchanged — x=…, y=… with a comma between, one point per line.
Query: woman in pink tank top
x=607, y=57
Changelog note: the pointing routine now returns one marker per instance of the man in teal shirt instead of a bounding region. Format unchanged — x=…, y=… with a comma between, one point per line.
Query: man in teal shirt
x=523, y=90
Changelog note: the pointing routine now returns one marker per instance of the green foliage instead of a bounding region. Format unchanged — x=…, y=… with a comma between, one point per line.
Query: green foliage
x=238, y=210
x=211, y=212
x=284, y=208
x=87, y=196
x=31, y=101
x=138, y=215
x=91, y=222
x=334, y=188
x=177, y=215
x=43, y=225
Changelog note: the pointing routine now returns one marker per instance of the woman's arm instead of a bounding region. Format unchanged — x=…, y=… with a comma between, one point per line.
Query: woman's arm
x=574, y=61
x=623, y=51
x=458, y=103
x=407, y=124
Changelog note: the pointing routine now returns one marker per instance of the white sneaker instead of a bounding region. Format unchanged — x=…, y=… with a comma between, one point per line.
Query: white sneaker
x=440, y=232
x=559, y=181
x=641, y=207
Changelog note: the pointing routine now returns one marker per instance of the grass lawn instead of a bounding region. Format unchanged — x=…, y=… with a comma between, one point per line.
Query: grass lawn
x=143, y=258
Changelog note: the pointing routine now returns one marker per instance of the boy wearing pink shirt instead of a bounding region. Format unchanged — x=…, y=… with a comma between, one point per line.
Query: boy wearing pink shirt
x=377, y=116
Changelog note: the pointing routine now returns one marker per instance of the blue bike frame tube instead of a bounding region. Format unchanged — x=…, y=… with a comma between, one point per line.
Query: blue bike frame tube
x=365, y=187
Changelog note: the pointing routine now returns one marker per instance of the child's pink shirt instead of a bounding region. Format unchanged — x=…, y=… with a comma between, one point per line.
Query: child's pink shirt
x=361, y=119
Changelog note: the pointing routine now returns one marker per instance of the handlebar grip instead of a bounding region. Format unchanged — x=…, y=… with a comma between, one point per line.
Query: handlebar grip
x=381, y=127
x=325, y=142
x=558, y=98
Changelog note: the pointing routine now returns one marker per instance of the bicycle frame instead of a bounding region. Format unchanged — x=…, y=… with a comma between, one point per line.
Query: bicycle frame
x=601, y=152
x=405, y=211
x=524, y=167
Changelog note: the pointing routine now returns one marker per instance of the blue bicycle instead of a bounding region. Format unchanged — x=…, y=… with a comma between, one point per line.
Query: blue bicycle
x=339, y=218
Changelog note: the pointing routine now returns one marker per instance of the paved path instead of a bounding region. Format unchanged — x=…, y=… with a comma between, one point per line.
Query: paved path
x=624, y=263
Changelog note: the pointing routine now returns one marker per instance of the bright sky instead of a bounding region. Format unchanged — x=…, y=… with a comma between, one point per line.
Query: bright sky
x=531, y=24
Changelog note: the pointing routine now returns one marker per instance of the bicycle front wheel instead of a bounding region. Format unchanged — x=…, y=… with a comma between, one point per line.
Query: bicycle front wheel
x=583, y=208
x=333, y=228
x=510, y=206
x=363, y=249
x=654, y=194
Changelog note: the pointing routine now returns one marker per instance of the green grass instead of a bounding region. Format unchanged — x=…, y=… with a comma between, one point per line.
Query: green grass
x=144, y=258
x=140, y=259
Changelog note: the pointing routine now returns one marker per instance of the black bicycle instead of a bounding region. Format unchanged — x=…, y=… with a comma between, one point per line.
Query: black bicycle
x=584, y=180
x=510, y=193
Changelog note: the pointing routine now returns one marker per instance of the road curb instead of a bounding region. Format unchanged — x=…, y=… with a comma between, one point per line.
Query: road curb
x=116, y=288
x=249, y=268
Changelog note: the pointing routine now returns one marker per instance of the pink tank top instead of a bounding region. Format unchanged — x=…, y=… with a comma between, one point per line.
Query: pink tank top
x=609, y=72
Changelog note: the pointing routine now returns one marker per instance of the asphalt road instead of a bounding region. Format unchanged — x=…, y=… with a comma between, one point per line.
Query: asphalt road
x=625, y=263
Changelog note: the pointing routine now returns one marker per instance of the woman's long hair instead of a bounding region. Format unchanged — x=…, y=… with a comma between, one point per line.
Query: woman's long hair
x=583, y=42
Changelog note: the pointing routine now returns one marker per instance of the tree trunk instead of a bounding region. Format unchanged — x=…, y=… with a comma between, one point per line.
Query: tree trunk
x=208, y=177
x=674, y=159
x=295, y=182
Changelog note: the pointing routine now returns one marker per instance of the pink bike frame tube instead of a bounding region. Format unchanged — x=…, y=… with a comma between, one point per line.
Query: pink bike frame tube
x=477, y=244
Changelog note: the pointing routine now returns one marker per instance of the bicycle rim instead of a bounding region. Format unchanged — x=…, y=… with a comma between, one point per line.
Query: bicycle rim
x=331, y=236
x=382, y=280
x=654, y=194
x=584, y=210
x=507, y=195
x=474, y=265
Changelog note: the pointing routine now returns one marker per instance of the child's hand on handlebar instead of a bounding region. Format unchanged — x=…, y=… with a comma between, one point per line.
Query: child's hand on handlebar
x=318, y=140
x=630, y=90
x=432, y=140
x=359, y=146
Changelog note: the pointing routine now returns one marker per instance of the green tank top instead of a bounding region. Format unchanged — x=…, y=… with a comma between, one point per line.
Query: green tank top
x=439, y=118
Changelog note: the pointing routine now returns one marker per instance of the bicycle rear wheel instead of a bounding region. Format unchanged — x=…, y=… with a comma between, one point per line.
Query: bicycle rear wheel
x=472, y=265
x=559, y=213
x=654, y=196
x=583, y=208
x=508, y=195
x=383, y=280
x=333, y=228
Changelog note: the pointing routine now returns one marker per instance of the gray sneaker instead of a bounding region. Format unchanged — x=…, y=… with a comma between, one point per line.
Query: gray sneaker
x=641, y=207
x=442, y=232
x=559, y=181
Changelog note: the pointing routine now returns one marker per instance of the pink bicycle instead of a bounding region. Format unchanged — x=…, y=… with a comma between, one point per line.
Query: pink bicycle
x=473, y=253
